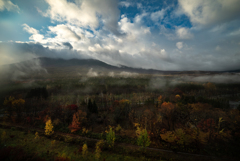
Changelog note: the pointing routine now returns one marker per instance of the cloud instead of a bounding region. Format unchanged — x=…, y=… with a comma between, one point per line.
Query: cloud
x=12, y=53
x=155, y=57
x=139, y=43
x=111, y=74
x=64, y=33
x=235, y=33
x=217, y=78
x=139, y=5
x=68, y=45
x=184, y=33
x=8, y=5
x=158, y=15
x=210, y=12
x=35, y=33
x=179, y=45
x=218, y=48
x=56, y=36
x=125, y=4
x=85, y=13
x=127, y=74
x=91, y=73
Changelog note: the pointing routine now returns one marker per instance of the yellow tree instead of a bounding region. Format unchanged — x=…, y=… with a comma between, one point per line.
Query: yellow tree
x=49, y=128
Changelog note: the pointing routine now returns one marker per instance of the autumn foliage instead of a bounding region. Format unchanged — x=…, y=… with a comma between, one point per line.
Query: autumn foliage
x=167, y=110
x=72, y=107
x=49, y=128
x=206, y=125
x=78, y=118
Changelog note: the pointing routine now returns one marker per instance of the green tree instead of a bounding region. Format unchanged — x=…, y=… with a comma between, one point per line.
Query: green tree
x=110, y=137
x=142, y=138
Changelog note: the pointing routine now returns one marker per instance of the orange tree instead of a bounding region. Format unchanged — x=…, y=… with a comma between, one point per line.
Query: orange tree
x=78, y=118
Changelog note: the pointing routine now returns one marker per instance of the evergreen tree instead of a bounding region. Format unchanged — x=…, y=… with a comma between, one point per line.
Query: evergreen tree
x=90, y=106
x=95, y=108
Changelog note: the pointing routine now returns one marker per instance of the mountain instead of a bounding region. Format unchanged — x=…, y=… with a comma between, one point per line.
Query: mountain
x=40, y=68
x=96, y=64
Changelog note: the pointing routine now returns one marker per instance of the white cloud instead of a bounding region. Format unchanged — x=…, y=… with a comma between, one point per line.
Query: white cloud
x=125, y=4
x=127, y=74
x=85, y=13
x=8, y=5
x=111, y=74
x=35, y=33
x=210, y=12
x=30, y=30
x=158, y=15
x=184, y=33
x=179, y=45
x=91, y=73
x=64, y=33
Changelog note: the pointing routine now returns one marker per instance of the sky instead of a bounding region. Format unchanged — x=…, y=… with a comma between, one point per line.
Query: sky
x=158, y=34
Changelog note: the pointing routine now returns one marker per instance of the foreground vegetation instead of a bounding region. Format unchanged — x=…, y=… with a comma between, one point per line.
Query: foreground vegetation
x=149, y=112
x=19, y=145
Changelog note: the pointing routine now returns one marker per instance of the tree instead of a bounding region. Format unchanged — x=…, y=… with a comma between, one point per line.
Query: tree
x=110, y=137
x=94, y=107
x=167, y=110
x=84, y=150
x=90, y=106
x=14, y=106
x=98, y=151
x=78, y=119
x=159, y=100
x=142, y=137
x=49, y=128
